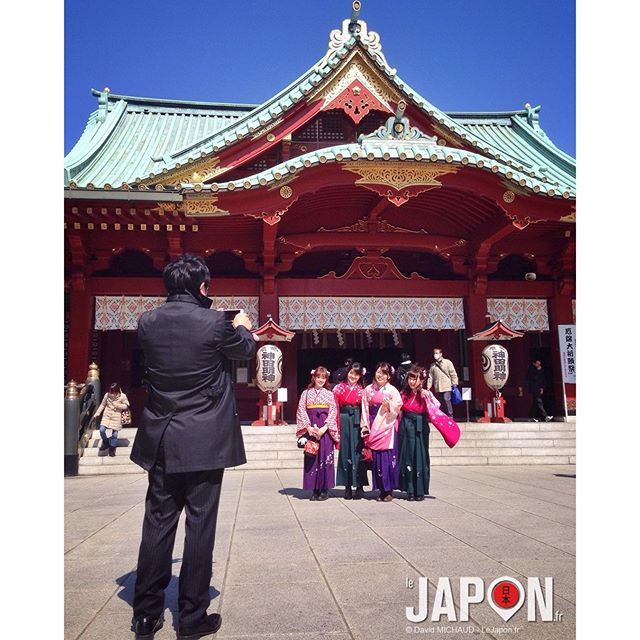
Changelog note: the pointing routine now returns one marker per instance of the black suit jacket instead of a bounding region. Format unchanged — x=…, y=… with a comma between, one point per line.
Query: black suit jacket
x=190, y=404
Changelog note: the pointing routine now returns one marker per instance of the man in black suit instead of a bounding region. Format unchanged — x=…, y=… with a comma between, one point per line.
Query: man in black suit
x=401, y=372
x=188, y=433
x=340, y=375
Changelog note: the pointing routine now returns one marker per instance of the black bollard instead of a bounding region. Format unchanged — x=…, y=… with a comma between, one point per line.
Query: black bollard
x=71, y=422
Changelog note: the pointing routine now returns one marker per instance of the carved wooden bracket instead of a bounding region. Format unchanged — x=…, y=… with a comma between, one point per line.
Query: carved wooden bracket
x=373, y=266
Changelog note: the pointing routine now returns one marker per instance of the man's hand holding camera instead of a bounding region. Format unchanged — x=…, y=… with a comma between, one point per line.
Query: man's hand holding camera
x=242, y=319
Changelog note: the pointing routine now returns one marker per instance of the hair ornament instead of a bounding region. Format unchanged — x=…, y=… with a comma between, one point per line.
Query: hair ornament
x=313, y=372
x=392, y=369
x=364, y=371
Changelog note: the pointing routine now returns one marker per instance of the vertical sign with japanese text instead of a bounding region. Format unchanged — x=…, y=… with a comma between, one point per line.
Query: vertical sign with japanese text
x=567, y=338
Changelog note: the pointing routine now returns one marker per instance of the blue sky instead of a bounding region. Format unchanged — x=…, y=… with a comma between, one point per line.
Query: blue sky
x=462, y=55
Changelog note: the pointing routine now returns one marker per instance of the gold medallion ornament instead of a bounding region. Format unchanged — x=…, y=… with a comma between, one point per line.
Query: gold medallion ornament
x=508, y=196
x=286, y=191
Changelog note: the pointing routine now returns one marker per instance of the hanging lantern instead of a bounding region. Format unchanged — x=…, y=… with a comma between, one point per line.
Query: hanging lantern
x=495, y=366
x=269, y=368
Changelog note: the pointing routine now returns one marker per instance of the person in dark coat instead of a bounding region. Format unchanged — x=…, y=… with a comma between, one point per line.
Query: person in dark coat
x=189, y=431
x=340, y=375
x=535, y=383
x=400, y=374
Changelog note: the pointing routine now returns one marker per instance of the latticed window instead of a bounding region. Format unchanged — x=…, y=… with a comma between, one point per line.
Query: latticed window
x=266, y=160
x=327, y=126
x=371, y=122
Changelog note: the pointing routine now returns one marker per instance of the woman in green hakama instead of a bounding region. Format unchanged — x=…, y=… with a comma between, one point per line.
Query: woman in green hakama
x=352, y=471
x=413, y=437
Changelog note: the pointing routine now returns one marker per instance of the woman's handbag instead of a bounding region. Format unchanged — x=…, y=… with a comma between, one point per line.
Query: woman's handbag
x=125, y=417
x=311, y=447
x=366, y=456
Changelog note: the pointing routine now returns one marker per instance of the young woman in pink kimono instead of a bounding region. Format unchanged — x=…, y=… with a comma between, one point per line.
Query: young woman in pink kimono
x=316, y=419
x=381, y=404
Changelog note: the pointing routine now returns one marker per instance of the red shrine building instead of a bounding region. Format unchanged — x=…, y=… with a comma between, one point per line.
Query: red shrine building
x=347, y=208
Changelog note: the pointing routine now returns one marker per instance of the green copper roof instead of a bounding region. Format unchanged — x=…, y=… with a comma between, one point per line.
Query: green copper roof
x=128, y=139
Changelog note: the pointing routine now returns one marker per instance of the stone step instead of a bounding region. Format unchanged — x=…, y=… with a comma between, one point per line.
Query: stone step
x=480, y=444
x=110, y=469
x=94, y=452
x=127, y=432
x=121, y=457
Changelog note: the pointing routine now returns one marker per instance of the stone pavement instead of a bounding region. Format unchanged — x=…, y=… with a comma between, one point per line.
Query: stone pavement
x=286, y=568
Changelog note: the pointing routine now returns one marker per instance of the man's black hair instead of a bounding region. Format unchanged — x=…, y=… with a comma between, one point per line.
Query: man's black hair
x=348, y=362
x=185, y=275
x=405, y=356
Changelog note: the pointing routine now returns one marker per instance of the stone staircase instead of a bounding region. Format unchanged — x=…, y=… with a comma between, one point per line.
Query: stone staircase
x=480, y=444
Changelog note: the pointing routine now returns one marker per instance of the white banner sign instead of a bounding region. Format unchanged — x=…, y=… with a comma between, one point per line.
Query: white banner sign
x=567, y=338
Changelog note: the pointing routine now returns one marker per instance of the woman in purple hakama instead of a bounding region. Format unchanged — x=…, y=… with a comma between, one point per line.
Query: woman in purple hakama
x=381, y=405
x=316, y=420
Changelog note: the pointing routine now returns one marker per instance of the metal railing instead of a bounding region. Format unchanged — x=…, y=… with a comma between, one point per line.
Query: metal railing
x=80, y=404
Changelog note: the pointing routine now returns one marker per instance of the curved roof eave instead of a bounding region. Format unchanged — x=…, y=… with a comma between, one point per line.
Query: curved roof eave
x=93, y=137
x=287, y=98
x=545, y=145
x=388, y=150
x=166, y=102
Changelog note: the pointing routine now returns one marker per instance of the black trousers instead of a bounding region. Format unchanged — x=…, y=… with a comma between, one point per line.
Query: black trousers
x=537, y=408
x=198, y=493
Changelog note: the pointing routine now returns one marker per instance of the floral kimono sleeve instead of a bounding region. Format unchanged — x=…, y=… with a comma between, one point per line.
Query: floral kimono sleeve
x=302, y=419
x=364, y=414
x=332, y=425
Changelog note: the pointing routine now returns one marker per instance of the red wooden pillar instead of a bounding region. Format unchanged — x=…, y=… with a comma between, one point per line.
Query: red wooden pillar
x=268, y=291
x=560, y=312
x=476, y=320
x=268, y=305
x=80, y=315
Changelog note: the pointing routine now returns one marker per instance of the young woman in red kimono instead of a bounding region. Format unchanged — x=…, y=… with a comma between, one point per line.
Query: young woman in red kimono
x=381, y=405
x=351, y=468
x=316, y=419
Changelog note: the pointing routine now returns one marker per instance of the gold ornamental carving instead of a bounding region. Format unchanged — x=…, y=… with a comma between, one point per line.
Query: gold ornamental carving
x=286, y=191
x=364, y=225
x=167, y=207
x=512, y=186
x=400, y=176
x=508, y=196
x=195, y=171
x=356, y=68
x=279, y=183
x=203, y=205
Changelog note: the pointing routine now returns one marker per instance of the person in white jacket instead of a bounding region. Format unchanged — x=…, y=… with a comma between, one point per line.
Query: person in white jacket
x=111, y=408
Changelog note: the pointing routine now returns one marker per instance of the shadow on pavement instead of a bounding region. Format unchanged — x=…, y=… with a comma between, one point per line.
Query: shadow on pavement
x=128, y=581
